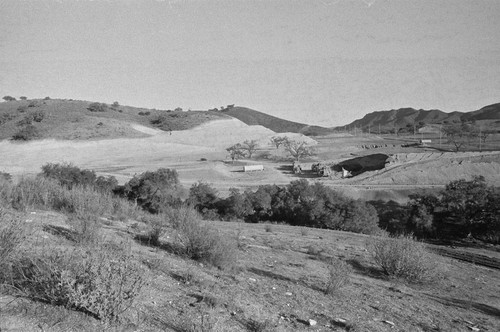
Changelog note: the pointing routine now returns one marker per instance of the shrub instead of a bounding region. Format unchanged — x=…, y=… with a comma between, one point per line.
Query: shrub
x=26, y=133
x=22, y=108
x=102, y=282
x=23, y=98
x=38, y=116
x=268, y=228
x=5, y=177
x=158, y=227
x=46, y=98
x=9, y=98
x=338, y=275
x=87, y=229
x=116, y=104
x=403, y=257
x=200, y=242
x=13, y=232
x=98, y=107
x=33, y=103
x=69, y=175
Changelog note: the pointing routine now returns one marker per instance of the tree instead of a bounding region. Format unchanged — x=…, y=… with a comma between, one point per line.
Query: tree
x=249, y=147
x=278, y=141
x=236, y=151
x=203, y=197
x=9, y=98
x=298, y=149
x=155, y=191
x=23, y=98
x=116, y=104
x=459, y=134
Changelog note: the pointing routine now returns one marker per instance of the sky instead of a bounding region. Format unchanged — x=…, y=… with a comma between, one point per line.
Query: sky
x=321, y=62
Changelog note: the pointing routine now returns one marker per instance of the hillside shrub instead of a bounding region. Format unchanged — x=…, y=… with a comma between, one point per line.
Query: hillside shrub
x=6, y=117
x=9, y=98
x=5, y=176
x=403, y=257
x=201, y=242
x=102, y=282
x=22, y=108
x=69, y=175
x=338, y=275
x=98, y=107
x=13, y=232
x=27, y=133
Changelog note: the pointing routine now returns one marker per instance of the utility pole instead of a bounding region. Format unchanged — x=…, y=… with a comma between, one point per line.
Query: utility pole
x=440, y=134
x=480, y=150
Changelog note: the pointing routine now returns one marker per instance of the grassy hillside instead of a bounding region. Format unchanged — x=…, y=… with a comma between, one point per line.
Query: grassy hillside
x=253, y=118
x=82, y=120
x=400, y=118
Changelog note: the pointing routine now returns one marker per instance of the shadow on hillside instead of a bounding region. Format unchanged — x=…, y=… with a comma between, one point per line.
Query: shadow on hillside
x=60, y=231
x=276, y=276
x=359, y=165
x=365, y=270
x=467, y=304
x=171, y=248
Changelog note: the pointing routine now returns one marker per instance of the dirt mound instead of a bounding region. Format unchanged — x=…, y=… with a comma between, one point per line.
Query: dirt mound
x=436, y=168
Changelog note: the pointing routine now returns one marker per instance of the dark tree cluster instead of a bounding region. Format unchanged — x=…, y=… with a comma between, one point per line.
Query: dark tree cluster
x=70, y=176
x=298, y=203
x=463, y=209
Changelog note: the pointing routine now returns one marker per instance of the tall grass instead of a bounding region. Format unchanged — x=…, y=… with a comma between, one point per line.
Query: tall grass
x=13, y=232
x=40, y=192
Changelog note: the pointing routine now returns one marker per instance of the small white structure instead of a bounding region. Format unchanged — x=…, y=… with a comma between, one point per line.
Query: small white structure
x=424, y=142
x=253, y=168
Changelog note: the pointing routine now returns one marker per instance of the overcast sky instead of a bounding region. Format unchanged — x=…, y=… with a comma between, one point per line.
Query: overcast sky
x=324, y=62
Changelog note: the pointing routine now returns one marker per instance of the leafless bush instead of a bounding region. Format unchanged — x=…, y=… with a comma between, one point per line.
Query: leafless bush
x=201, y=242
x=101, y=282
x=403, y=257
x=338, y=275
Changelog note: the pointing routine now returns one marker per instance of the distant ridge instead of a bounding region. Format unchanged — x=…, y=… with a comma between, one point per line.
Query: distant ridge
x=400, y=118
x=253, y=118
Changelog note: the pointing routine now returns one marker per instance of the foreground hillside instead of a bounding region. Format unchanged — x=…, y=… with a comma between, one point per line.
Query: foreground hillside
x=83, y=120
x=278, y=283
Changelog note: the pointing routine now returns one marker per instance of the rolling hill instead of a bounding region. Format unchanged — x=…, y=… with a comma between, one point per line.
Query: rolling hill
x=400, y=118
x=253, y=118
x=84, y=120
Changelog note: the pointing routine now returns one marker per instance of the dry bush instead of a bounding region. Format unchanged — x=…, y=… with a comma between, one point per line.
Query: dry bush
x=34, y=192
x=87, y=229
x=403, y=257
x=268, y=228
x=102, y=282
x=201, y=242
x=13, y=232
x=40, y=192
x=158, y=224
x=338, y=275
